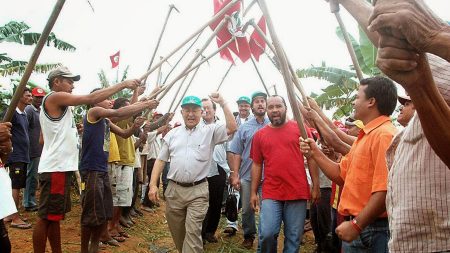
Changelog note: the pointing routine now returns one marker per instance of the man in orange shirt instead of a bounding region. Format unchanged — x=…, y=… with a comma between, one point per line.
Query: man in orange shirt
x=363, y=169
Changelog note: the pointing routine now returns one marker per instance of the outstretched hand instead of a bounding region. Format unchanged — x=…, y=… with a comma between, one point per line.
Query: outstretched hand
x=217, y=98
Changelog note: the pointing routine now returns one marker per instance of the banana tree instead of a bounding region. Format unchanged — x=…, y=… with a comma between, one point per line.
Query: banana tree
x=16, y=32
x=7, y=91
x=341, y=92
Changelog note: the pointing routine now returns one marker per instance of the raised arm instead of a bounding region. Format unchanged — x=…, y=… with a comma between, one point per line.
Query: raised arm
x=63, y=99
x=229, y=118
x=125, y=133
x=408, y=29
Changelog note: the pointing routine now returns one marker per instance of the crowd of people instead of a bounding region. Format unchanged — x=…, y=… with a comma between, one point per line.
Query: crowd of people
x=365, y=185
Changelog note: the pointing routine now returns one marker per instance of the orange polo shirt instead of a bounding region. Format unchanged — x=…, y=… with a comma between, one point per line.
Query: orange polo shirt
x=364, y=168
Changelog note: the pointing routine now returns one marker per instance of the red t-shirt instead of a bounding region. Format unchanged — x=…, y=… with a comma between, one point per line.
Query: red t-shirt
x=284, y=170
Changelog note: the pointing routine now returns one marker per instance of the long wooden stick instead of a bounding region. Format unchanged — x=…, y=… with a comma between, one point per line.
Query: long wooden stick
x=171, y=7
x=334, y=7
x=260, y=76
x=212, y=20
x=186, y=89
x=176, y=93
x=158, y=77
x=224, y=76
x=182, y=56
x=284, y=69
x=33, y=59
x=291, y=70
x=211, y=55
x=198, y=54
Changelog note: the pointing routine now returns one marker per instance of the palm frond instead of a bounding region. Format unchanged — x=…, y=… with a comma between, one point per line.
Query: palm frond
x=11, y=28
x=18, y=67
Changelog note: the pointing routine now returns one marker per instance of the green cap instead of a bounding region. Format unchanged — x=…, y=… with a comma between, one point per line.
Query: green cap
x=243, y=99
x=191, y=100
x=259, y=94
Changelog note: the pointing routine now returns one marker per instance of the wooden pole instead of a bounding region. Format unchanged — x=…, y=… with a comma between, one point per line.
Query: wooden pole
x=260, y=76
x=158, y=77
x=171, y=7
x=185, y=72
x=284, y=69
x=212, y=20
x=33, y=59
x=186, y=89
x=224, y=76
x=182, y=56
x=291, y=70
x=334, y=8
x=179, y=88
x=198, y=54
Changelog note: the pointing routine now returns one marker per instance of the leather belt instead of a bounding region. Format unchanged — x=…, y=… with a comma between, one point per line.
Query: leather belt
x=190, y=184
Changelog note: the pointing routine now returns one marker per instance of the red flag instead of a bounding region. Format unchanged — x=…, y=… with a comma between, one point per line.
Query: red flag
x=115, y=59
x=257, y=43
x=241, y=47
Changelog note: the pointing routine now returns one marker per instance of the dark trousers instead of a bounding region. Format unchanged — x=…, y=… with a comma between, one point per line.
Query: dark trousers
x=165, y=181
x=216, y=186
x=321, y=221
x=147, y=201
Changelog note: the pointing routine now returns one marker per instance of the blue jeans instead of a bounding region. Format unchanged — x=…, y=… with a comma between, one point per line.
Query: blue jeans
x=292, y=213
x=29, y=194
x=373, y=239
x=248, y=215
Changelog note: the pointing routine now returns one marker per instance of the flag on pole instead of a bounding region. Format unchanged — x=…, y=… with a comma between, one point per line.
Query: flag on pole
x=257, y=44
x=240, y=47
x=115, y=59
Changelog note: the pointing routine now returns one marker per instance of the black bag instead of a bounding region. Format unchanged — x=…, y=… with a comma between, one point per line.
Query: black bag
x=231, y=211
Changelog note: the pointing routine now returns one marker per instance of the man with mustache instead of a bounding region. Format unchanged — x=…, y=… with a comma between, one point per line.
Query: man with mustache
x=241, y=163
x=285, y=189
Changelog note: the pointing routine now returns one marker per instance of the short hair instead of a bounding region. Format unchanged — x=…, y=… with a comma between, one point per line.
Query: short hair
x=120, y=102
x=92, y=91
x=282, y=99
x=26, y=89
x=384, y=91
x=213, y=104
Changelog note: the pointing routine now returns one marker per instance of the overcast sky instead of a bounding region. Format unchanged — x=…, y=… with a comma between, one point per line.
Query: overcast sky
x=306, y=29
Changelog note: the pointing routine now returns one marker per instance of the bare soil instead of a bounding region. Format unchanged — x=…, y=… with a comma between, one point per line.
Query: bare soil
x=149, y=234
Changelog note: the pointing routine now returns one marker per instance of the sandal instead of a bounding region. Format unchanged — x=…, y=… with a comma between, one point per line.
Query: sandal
x=118, y=238
x=21, y=225
x=112, y=242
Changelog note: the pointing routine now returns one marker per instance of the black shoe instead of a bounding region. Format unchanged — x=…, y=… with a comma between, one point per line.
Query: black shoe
x=230, y=231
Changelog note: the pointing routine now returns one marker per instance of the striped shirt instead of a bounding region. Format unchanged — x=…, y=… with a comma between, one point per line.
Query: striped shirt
x=418, y=196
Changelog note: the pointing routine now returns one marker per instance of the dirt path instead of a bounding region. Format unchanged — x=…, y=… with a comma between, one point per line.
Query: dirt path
x=149, y=234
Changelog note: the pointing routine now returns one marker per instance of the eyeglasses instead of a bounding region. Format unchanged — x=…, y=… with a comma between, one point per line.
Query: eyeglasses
x=188, y=111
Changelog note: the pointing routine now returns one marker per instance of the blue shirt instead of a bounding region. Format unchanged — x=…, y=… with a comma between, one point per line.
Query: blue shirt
x=95, y=148
x=20, y=140
x=242, y=144
x=34, y=131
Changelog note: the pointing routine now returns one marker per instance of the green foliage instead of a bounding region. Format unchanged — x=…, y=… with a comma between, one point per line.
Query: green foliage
x=7, y=91
x=341, y=92
x=15, y=32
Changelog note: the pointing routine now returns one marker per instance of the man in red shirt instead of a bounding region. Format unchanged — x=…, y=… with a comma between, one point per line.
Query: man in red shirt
x=285, y=188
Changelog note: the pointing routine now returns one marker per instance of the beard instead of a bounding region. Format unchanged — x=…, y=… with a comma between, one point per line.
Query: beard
x=257, y=113
x=278, y=121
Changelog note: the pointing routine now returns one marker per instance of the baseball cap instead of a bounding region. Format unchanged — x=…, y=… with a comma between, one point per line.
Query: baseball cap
x=243, y=99
x=38, y=92
x=156, y=113
x=259, y=94
x=64, y=72
x=403, y=99
x=191, y=100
